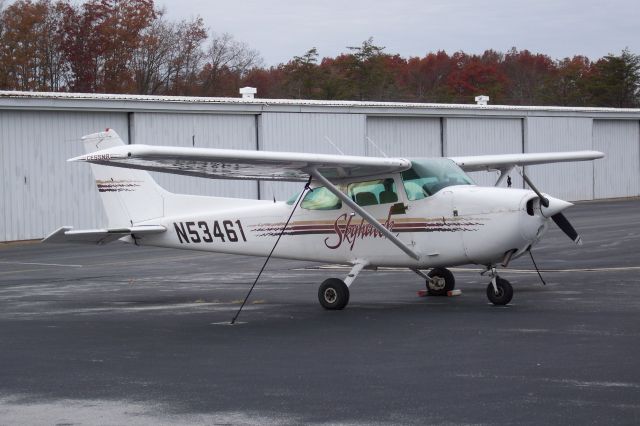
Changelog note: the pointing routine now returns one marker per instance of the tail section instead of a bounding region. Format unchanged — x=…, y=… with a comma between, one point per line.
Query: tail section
x=129, y=196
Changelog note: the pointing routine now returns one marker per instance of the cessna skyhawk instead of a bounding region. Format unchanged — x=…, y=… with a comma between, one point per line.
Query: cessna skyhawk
x=367, y=212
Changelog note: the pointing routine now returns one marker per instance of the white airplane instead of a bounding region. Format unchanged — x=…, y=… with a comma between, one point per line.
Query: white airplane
x=363, y=211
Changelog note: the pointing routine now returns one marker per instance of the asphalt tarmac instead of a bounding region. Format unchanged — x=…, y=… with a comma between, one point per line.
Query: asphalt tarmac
x=126, y=335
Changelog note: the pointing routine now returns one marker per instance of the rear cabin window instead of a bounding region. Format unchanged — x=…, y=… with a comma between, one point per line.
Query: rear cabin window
x=293, y=198
x=321, y=199
x=369, y=193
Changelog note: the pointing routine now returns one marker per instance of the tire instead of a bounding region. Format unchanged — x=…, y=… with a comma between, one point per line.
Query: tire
x=505, y=292
x=444, y=282
x=333, y=294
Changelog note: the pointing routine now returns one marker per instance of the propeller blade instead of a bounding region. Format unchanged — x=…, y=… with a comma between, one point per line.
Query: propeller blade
x=567, y=228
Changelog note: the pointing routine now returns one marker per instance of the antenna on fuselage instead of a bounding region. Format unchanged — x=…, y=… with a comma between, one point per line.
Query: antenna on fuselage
x=376, y=146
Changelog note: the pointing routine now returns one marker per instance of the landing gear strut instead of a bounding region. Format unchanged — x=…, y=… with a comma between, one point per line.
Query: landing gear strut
x=499, y=290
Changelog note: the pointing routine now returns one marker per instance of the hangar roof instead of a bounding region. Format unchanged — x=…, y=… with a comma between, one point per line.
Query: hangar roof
x=153, y=103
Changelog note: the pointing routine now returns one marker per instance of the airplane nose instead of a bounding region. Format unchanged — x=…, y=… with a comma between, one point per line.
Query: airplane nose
x=555, y=206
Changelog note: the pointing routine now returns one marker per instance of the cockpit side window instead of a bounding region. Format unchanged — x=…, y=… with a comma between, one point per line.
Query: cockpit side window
x=428, y=176
x=413, y=185
x=321, y=199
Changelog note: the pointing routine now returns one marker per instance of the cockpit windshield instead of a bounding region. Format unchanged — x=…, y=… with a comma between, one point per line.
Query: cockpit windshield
x=428, y=176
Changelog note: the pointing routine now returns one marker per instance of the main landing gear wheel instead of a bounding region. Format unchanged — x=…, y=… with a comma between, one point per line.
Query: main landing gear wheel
x=504, y=293
x=333, y=294
x=440, y=281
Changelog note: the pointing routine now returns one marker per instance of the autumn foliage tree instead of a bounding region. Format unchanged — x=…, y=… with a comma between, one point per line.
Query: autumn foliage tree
x=115, y=46
x=472, y=75
x=570, y=84
x=529, y=77
x=226, y=61
x=424, y=79
x=32, y=37
x=303, y=76
x=129, y=46
x=101, y=37
x=367, y=68
x=615, y=80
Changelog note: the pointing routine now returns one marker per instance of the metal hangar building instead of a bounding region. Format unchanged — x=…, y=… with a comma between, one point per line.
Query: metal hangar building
x=40, y=191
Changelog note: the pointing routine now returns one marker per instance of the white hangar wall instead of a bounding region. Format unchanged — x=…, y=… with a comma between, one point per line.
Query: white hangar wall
x=229, y=131
x=616, y=175
x=568, y=181
x=404, y=136
x=484, y=136
x=40, y=191
x=321, y=133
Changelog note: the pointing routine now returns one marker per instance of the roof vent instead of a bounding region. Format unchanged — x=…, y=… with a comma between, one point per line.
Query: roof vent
x=248, y=92
x=482, y=100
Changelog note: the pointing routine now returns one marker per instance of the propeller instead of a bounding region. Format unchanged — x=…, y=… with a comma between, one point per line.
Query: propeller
x=566, y=227
x=553, y=210
x=552, y=207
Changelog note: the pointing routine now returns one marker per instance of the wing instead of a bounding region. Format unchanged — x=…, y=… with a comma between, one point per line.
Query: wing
x=506, y=161
x=241, y=164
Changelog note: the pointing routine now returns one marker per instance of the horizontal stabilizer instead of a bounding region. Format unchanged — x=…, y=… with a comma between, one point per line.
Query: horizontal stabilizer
x=66, y=234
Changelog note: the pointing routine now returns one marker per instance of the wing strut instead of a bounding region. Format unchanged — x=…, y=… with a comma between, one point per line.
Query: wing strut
x=504, y=172
x=543, y=200
x=363, y=213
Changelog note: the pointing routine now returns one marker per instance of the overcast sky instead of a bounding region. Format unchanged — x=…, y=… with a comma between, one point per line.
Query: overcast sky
x=281, y=29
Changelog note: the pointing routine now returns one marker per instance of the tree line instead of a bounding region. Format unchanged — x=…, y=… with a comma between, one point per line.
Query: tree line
x=118, y=46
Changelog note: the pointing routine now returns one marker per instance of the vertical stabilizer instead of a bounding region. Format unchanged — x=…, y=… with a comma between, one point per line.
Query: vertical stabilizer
x=129, y=196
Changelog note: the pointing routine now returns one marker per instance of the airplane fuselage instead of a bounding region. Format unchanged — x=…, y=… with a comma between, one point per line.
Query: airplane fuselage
x=457, y=225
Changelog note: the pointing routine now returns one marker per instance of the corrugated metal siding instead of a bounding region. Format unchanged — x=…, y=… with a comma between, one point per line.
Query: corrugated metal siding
x=404, y=136
x=36, y=140
x=308, y=132
x=210, y=131
x=569, y=181
x=618, y=174
x=474, y=136
x=41, y=191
